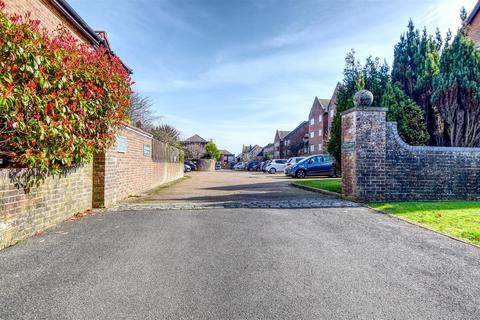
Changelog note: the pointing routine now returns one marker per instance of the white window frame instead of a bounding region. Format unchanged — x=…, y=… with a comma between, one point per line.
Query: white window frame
x=312, y=148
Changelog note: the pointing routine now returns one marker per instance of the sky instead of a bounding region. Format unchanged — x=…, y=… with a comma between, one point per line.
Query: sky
x=235, y=71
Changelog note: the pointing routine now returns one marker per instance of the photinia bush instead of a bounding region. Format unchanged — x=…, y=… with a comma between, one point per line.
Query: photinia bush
x=60, y=101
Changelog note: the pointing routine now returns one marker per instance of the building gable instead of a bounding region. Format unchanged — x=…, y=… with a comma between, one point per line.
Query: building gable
x=474, y=24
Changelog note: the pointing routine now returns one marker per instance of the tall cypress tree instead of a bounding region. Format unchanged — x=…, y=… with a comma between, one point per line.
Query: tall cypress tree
x=456, y=92
x=406, y=113
x=416, y=62
x=373, y=76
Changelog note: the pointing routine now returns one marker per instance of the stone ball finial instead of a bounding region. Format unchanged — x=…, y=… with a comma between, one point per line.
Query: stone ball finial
x=363, y=98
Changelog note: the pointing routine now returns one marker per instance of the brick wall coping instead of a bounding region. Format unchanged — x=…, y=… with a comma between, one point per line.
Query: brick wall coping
x=137, y=131
x=392, y=126
x=366, y=108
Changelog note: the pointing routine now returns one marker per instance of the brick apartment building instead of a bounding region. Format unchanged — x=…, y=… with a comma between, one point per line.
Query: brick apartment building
x=296, y=140
x=279, y=144
x=474, y=23
x=320, y=122
x=317, y=124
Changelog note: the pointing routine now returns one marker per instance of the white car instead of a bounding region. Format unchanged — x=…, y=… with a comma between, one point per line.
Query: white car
x=276, y=165
x=291, y=162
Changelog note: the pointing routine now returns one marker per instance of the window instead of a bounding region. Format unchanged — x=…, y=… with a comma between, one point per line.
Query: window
x=320, y=132
x=312, y=134
x=312, y=121
x=312, y=148
x=121, y=144
x=331, y=113
x=320, y=118
x=319, y=146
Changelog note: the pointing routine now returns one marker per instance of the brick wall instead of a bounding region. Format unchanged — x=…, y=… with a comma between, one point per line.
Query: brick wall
x=474, y=31
x=377, y=165
x=121, y=173
x=54, y=200
x=430, y=173
x=43, y=11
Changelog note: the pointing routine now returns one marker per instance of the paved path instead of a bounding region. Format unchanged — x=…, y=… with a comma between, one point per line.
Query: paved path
x=233, y=189
x=323, y=263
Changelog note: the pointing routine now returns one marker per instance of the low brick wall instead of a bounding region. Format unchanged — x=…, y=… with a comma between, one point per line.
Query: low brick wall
x=53, y=201
x=377, y=165
x=129, y=169
x=430, y=173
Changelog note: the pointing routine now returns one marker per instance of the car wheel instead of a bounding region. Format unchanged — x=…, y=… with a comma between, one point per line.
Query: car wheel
x=272, y=171
x=334, y=173
x=300, y=174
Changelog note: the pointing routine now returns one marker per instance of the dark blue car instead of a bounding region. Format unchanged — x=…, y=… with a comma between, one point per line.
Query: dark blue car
x=251, y=165
x=317, y=165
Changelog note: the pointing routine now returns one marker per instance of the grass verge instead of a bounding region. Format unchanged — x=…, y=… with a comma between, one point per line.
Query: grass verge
x=333, y=185
x=460, y=219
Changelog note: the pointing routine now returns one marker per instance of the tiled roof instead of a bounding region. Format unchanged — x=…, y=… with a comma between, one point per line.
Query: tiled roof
x=304, y=123
x=196, y=139
x=226, y=152
x=474, y=12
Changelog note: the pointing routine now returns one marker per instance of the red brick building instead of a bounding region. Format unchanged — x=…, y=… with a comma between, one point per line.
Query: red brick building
x=320, y=122
x=474, y=22
x=295, y=141
x=279, y=144
x=317, y=123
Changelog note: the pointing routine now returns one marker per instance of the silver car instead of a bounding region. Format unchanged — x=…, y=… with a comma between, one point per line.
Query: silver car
x=291, y=162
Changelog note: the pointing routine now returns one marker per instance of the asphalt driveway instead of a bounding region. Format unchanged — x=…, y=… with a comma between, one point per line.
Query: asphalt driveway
x=323, y=263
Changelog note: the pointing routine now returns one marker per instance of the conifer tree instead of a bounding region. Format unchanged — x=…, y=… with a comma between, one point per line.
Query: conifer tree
x=416, y=62
x=406, y=113
x=456, y=91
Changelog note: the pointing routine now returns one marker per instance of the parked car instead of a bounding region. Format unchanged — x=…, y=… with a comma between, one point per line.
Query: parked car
x=317, y=165
x=218, y=166
x=191, y=164
x=186, y=168
x=251, y=164
x=292, y=161
x=239, y=166
x=264, y=165
x=276, y=165
x=258, y=166
x=231, y=165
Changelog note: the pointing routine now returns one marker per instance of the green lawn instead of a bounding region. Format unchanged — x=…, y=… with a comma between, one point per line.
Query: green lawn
x=334, y=185
x=458, y=219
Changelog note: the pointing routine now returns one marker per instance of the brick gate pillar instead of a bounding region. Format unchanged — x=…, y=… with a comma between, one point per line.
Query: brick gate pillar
x=364, y=131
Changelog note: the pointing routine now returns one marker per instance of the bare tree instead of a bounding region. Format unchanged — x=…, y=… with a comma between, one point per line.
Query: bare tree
x=166, y=133
x=140, y=112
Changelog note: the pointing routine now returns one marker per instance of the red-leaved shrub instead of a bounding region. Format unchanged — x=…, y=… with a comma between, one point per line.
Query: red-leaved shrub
x=60, y=100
